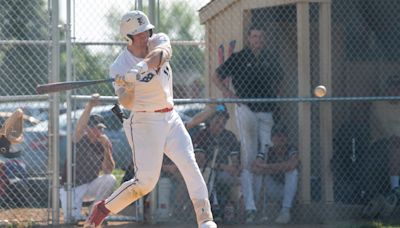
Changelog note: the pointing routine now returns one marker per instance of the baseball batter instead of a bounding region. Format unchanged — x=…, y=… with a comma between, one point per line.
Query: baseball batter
x=143, y=84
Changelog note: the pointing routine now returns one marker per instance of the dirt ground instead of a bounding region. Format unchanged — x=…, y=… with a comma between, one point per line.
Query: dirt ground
x=33, y=217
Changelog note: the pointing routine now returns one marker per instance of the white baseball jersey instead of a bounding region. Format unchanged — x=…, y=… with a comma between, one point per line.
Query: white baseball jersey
x=153, y=91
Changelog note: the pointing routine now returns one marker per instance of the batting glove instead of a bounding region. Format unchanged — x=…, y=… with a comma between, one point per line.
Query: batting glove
x=120, y=81
x=136, y=72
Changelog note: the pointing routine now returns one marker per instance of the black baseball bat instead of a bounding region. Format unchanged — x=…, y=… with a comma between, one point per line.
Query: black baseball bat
x=63, y=86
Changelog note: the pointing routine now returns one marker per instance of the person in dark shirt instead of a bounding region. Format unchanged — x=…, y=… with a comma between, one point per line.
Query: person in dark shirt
x=281, y=173
x=255, y=73
x=216, y=136
x=91, y=174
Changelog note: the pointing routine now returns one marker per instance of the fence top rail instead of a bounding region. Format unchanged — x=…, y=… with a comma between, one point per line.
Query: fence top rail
x=88, y=43
x=114, y=99
x=253, y=100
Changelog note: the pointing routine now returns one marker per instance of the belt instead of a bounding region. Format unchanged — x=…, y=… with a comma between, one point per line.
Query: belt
x=161, y=110
x=164, y=110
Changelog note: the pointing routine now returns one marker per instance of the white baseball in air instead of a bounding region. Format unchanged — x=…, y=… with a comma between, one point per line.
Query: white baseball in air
x=320, y=91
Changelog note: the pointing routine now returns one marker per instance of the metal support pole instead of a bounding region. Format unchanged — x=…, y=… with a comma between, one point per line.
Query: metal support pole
x=140, y=5
x=69, y=109
x=152, y=12
x=54, y=112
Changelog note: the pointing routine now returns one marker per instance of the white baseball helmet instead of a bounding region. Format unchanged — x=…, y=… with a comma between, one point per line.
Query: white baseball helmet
x=134, y=22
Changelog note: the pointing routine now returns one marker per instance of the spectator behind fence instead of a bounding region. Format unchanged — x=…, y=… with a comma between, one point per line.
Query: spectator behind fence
x=386, y=126
x=281, y=173
x=11, y=131
x=255, y=73
x=216, y=136
x=349, y=162
x=91, y=174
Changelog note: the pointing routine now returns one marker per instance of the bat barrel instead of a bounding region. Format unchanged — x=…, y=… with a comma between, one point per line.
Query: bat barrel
x=63, y=86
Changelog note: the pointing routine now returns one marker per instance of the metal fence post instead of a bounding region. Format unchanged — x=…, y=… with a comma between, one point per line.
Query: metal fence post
x=54, y=111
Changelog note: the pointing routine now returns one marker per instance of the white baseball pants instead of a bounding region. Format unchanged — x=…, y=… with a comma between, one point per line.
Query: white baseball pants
x=151, y=134
x=97, y=190
x=276, y=191
x=255, y=133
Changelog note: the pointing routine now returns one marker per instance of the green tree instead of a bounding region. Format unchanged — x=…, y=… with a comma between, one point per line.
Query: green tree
x=23, y=66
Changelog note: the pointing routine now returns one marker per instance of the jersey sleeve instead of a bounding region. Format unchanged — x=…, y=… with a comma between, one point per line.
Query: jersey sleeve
x=227, y=68
x=113, y=73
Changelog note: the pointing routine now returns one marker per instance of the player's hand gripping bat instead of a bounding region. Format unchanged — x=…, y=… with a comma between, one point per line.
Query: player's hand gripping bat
x=63, y=86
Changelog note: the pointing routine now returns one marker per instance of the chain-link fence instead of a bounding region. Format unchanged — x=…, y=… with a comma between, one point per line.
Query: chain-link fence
x=283, y=155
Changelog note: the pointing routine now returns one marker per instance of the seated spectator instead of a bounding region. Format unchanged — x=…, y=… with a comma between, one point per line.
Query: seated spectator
x=94, y=163
x=281, y=173
x=350, y=150
x=215, y=137
x=386, y=125
x=385, y=154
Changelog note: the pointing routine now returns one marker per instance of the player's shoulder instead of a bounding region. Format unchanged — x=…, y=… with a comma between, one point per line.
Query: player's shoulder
x=119, y=63
x=119, y=59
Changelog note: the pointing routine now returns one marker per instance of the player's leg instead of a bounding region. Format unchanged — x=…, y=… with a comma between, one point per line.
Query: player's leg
x=63, y=201
x=289, y=192
x=78, y=194
x=290, y=189
x=101, y=187
x=179, y=149
x=247, y=125
x=264, y=128
x=146, y=133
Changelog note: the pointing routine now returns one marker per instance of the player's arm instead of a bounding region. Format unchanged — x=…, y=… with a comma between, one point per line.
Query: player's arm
x=108, y=164
x=157, y=57
x=201, y=116
x=160, y=51
x=221, y=73
x=125, y=96
x=281, y=166
x=84, y=118
x=219, y=82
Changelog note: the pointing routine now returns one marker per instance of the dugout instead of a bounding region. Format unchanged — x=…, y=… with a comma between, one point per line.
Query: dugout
x=349, y=46
x=299, y=30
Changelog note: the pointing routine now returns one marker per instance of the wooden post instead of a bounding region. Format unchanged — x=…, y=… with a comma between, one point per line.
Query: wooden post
x=304, y=112
x=325, y=108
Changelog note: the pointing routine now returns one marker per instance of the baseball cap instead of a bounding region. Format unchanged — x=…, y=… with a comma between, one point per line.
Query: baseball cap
x=96, y=120
x=280, y=129
x=221, y=109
